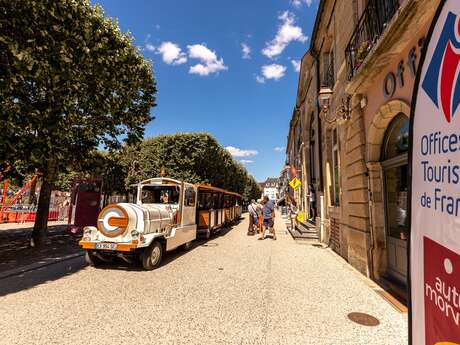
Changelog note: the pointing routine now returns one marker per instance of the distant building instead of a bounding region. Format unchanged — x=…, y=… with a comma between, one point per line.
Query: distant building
x=271, y=188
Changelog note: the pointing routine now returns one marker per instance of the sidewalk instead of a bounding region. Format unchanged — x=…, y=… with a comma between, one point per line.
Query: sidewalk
x=232, y=289
x=16, y=255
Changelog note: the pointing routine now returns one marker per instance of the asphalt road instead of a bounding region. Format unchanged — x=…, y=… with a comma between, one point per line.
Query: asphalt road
x=232, y=289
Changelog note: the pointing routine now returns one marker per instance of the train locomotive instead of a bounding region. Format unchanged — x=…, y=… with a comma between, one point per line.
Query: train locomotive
x=164, y=214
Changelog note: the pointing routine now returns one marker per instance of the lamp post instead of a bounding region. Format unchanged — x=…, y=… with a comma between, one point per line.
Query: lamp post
x=325, y=101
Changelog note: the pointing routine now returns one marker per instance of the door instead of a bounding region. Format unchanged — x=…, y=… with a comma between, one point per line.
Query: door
x=395, y=171
x=396, y=209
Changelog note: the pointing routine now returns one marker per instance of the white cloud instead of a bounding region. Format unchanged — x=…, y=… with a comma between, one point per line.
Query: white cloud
x=236, y=152
x=273, y=71
x=150, y=47
x=298, y=3
x=260, y=80
x=170, y=52
x=287, y=33
x=279, y=149
x=209, y=61
x=246, y=51
x=246, y=161
x=296, y=65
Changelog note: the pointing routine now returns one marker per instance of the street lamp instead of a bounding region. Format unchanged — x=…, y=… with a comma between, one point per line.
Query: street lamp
x=324, y=98
x=343, y=111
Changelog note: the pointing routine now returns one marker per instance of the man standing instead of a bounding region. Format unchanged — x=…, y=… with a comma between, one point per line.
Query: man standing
x=253, y=217
x=268, y=214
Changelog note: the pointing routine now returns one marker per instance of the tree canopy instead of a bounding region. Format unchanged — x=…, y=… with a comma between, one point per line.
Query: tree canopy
x=191, y=157
x=70, y=82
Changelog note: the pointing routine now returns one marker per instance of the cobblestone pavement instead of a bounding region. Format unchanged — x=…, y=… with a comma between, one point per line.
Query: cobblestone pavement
x=232, y=289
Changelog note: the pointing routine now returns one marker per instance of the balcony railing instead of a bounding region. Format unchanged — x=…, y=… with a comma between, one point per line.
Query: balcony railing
x=371, y=25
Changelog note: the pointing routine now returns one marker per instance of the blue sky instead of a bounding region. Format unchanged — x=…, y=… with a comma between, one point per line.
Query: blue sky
x=207, y=78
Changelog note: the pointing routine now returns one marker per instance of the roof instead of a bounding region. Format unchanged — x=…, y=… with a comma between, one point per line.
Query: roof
x=269, y=181
x=215, y=189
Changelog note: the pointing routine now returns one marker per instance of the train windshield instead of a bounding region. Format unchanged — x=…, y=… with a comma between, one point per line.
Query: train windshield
x=160, y=195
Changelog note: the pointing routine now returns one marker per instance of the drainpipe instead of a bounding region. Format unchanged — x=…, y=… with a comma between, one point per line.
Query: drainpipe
x=372, y=246
x=318, y=109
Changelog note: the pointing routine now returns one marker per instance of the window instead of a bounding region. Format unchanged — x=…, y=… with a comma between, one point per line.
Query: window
x=190, y=197
x=335, y=168
x=396, y=146
x=328, y=70
x=160, y=195
x=204, y=200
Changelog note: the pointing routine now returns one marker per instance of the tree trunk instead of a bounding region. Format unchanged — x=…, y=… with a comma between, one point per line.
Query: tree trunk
x=32, y=192
x=41, y=220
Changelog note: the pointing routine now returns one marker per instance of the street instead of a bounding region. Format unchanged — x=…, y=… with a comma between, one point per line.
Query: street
x=232, y=289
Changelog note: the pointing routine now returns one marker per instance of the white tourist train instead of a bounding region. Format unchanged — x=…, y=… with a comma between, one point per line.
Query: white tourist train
x=164, y=214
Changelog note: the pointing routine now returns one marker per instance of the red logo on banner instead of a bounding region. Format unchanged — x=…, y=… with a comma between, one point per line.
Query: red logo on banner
x=442, y=294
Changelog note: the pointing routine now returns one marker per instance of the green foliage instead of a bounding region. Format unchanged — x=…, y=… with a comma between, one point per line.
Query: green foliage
x=191, y=157
x=70, y=81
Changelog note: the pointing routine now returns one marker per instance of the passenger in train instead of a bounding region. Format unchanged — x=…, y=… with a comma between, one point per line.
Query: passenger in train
x=268, y=214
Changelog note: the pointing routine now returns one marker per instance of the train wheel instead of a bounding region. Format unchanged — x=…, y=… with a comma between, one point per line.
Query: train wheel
x=151, y=257
x=186, y=246
x=92, y=259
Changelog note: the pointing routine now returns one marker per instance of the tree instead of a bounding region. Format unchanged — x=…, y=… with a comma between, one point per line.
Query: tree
x=191, y=157
x=70, y=82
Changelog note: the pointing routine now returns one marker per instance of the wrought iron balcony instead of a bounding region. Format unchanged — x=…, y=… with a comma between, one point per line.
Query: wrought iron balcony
x=371, y=25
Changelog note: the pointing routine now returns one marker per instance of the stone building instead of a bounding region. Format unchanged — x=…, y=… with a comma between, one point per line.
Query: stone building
x=348, y=136
x=270, y=188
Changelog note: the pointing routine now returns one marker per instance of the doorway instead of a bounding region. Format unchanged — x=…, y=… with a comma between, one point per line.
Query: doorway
x=395, y=172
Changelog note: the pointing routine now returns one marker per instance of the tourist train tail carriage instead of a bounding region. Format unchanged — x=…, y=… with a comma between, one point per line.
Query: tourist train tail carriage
x=216, y=207
x=164, y=214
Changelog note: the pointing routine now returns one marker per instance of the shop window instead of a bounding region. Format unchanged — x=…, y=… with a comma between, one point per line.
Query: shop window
x=335, y=168
x=396, y=146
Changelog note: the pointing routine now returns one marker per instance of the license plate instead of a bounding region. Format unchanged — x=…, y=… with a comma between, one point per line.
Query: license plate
x=106, y=246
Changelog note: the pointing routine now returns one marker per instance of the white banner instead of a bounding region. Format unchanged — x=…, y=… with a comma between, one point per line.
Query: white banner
x=435, y=199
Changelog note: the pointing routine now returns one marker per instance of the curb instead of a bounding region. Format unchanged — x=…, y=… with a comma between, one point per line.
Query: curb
x=37, y=265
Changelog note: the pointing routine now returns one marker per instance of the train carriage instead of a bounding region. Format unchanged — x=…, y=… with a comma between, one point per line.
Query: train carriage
x=163, y=214
x=216, y=208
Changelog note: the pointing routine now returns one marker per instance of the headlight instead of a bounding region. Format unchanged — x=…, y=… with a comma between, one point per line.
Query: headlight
x=87, y=233
x=134, y=234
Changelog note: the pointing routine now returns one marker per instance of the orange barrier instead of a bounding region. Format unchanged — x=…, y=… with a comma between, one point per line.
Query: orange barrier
x=26, y=217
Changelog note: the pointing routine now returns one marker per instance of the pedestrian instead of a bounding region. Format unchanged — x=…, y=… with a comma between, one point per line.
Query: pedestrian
x=259, y=216
x=312, y=201
x=268, y=214
x=253, y=217
x=293, y=211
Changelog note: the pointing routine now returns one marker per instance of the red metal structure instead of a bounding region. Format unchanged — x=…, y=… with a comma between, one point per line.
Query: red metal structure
x=85, y=203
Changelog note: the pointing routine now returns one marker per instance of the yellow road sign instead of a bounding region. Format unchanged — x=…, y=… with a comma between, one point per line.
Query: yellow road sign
x=295, y=183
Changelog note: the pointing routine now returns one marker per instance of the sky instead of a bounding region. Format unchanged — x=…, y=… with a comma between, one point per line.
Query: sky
x=228, y=67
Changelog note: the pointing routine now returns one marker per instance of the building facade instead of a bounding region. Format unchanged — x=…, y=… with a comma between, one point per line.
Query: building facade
x=348, y=135
x=271, y=188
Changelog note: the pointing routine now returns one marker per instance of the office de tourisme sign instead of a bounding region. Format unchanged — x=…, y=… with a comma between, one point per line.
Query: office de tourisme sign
x=435, y=186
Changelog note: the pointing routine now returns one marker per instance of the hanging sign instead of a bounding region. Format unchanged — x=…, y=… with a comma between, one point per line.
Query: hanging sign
x=295, y=183
x=434, y=277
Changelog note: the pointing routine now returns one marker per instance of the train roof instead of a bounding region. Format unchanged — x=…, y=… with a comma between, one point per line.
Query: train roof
x=215, y=189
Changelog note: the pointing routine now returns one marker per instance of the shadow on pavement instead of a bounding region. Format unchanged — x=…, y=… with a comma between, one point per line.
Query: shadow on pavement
x=15, y=251
x=41, y=275
x=55, y=271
